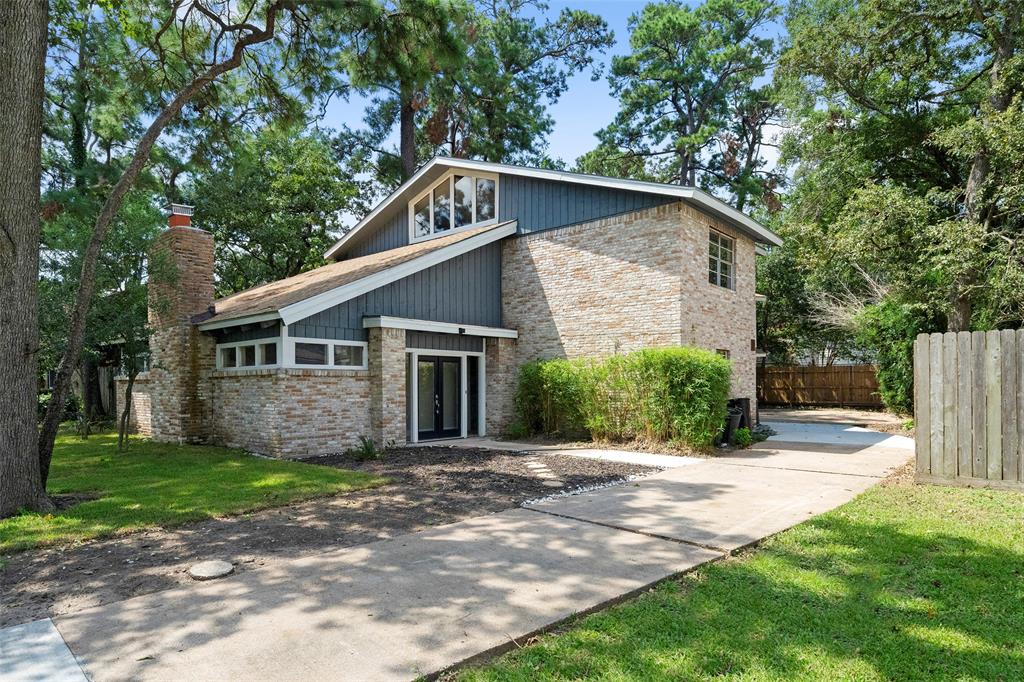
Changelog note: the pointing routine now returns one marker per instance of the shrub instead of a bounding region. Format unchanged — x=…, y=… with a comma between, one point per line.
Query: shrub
x=889, y=328
x=71, y=407
x=666, y=394
x=743, y=438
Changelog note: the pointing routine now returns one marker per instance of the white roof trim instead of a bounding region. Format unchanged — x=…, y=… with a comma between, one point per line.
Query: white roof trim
x=442, y=327
x=237, y=321
x=691, y=194
x=314, y=304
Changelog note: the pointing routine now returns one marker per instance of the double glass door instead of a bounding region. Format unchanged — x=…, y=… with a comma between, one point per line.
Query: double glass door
x=438, y=386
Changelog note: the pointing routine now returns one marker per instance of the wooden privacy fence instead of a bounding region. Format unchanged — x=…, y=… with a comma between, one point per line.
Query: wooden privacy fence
x=838, y=385
x=969, y=408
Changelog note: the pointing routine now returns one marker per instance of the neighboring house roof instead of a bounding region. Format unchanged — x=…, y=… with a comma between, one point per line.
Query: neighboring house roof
x=298, y=297
x=691, y=195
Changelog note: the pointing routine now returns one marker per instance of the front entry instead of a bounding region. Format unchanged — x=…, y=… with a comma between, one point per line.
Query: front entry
x=438, y=385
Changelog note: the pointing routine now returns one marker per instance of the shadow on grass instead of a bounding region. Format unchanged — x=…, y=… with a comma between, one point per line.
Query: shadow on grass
x=833, y=599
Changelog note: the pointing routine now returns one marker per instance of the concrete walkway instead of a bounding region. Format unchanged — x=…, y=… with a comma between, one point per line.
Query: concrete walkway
x=419, y=603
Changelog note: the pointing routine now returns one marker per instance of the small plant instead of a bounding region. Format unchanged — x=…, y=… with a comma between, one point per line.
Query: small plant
x=366, y=450
x=908, y=425
x=83, y=426
x=743, y=438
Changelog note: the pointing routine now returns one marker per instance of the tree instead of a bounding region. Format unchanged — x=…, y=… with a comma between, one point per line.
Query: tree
x=402, y=48
x=492, y=103
x=493, y=106
x=273, y=204
x=220, y=38
x=22, y=68
x=676, y=84
x=898, y=105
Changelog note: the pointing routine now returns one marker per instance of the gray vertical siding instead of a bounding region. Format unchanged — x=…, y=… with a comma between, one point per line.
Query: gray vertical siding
x=435, y=341
x=546, y=204
x=465, y=290
x=390, y=232
x=537, y=205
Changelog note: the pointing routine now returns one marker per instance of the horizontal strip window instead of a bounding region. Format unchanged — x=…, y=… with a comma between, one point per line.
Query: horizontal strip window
x=330, y=353
x=248, y=354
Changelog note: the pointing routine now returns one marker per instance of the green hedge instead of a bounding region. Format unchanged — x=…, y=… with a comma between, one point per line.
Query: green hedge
x=664, y=394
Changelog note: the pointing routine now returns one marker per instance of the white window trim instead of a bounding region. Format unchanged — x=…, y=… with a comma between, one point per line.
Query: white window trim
x=732, y=277
x=330, y=343
x=253, y=342
x=449, y=178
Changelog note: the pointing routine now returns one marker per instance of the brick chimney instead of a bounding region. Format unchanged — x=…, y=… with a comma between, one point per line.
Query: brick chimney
x=181, y=270
x=180, y=285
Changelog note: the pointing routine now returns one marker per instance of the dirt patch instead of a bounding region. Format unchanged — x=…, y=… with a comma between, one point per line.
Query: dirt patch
x=430, y=487
x=901, y=477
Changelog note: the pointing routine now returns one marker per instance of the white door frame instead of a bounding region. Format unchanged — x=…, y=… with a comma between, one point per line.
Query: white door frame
x=413, y=355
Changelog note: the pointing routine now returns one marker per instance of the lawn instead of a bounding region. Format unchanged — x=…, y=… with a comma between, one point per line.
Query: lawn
x=903, y=583
x=155, y=484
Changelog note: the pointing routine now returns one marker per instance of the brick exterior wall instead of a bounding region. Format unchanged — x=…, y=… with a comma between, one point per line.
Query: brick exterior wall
x=622, y=283
x=501, y=375
x=140, y=418
x=387, y=365
x=290, y=412
x=179, y=354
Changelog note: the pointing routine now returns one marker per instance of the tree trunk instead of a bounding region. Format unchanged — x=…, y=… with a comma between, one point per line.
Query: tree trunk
x=122, y=427
x=22, y=63
x=407, y=132
x=92, y=401
x=87, y=280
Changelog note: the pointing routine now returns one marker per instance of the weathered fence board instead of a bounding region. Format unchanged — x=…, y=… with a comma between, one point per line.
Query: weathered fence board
x=838, y=385
x=969, y=408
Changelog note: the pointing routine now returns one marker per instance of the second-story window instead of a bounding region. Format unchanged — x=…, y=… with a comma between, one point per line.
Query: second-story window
x=456, y=201
x=721, y=260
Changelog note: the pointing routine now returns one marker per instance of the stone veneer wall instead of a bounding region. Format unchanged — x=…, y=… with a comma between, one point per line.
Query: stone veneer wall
x=140, y=418
x=621, y=283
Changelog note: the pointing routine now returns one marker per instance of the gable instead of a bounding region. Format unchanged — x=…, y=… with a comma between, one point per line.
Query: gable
x=539, y=199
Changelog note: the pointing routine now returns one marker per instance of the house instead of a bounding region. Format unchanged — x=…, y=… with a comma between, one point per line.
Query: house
x=416, y=328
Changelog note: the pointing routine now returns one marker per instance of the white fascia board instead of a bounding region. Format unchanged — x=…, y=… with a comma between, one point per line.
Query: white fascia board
x=237, y=321
x=691, y=194
x=442, y=327
x=314, y=304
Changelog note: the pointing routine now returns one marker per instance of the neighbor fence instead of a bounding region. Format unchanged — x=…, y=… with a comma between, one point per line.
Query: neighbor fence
x=837, y=385
x=969, y=408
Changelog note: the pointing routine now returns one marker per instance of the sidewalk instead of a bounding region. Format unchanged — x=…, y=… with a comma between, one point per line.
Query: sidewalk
x=419, y=603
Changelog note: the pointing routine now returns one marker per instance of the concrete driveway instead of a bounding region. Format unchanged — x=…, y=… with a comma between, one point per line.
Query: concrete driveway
x=419, y=603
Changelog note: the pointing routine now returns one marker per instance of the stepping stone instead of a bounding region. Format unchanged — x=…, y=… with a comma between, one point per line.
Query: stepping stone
x=209, y=570
x=552, y=483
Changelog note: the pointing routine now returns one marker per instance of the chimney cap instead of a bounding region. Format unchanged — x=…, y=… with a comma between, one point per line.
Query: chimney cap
x=182, y=209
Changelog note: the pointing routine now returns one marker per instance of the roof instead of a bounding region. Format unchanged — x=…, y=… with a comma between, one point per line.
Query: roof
x=691, y=195
x=298, y=297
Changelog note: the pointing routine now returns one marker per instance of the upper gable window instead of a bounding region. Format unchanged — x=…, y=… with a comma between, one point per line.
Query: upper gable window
x=457, y=201
x=721, y=259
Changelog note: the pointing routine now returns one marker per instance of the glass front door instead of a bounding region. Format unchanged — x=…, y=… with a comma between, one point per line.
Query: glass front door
x=439, y=410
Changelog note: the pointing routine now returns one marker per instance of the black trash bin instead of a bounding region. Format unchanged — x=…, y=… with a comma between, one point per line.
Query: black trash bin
x=733, y=422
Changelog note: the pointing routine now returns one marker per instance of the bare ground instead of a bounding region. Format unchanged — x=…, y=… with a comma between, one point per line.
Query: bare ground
x=430, y=487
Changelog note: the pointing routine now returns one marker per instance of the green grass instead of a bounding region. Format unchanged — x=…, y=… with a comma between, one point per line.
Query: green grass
x=903, y=583
x=154, y=484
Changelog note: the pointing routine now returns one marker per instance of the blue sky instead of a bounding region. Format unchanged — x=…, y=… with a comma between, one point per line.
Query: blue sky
x=584, y=109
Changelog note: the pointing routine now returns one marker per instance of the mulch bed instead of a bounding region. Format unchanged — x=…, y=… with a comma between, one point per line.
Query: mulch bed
x=430, y=487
